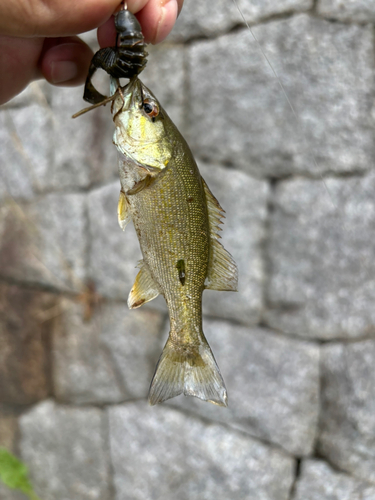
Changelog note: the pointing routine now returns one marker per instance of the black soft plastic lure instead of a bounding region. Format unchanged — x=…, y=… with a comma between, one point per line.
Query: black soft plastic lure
x=126, y=60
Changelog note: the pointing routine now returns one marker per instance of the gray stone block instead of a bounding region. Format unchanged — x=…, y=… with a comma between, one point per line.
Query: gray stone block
x=109, y=358
x=45, y=242
x=26, y=151
x=82, y=157
x=24, y=341
x=362, y=11
x=66, y=453
x=83, y=371
x=8, y=494
x=245, y=202
x=347, y=424
x=321, y=258
x=201, y=19
x=254, y=11
x=319, y=482
x=161, y=453
x=114, y=254
x=240, y=116
x=43, y=149
x=272, y=384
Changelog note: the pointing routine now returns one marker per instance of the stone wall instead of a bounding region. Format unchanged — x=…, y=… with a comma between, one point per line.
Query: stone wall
x=296, y=345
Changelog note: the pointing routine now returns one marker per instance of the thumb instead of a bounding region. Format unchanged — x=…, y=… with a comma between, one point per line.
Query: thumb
x=46, y=18
x=62, y=61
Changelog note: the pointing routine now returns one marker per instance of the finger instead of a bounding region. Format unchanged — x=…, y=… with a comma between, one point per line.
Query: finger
x=18, y=64
x=51, y=18
x=65, y=61
x=157, y=19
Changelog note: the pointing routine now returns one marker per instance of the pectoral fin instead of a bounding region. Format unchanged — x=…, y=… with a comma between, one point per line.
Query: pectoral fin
x=222, y=270
x=123, y=211
x=140, y=185
x=144, y=288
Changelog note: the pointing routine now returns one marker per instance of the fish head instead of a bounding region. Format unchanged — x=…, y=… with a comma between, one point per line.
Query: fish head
x=141, y=130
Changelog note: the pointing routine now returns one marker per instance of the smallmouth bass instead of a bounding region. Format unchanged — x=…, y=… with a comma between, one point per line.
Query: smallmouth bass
x=176, y=218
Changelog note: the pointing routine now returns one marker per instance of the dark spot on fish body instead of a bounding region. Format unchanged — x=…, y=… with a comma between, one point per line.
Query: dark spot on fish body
x=190, y=199
x=181, y=271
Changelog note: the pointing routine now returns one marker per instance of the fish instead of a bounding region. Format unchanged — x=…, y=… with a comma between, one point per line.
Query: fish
x=176, y=218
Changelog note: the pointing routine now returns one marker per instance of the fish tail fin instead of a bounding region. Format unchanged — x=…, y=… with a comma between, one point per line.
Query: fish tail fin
x=190, y=370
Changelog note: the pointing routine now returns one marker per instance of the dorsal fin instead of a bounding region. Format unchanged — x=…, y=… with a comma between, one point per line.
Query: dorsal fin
x=222, y=270
x=144, y=288
x=215, y=211
x=123, y=211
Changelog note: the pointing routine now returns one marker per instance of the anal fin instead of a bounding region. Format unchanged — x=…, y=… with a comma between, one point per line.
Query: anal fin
x=222, y=269
x=144, y=288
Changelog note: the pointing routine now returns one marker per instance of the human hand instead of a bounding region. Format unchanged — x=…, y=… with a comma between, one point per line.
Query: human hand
x=37, y=37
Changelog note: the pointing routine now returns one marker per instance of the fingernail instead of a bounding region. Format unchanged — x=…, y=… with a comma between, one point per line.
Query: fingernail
x=170, y=4
x=169, y=10
x=63, y=71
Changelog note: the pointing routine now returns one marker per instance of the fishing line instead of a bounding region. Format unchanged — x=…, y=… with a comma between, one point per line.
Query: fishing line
x=267, y=59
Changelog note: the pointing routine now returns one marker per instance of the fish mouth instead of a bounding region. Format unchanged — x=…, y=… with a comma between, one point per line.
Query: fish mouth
x=128, y=97
x=133, y=94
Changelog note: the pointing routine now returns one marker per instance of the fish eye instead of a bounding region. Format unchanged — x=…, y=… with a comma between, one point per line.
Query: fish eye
x=150, y=108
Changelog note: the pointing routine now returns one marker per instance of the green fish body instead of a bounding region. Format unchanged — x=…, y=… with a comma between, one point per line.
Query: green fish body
x=176, y=218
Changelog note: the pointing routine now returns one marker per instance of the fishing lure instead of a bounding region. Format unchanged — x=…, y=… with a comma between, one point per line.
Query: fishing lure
x=126, y=60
